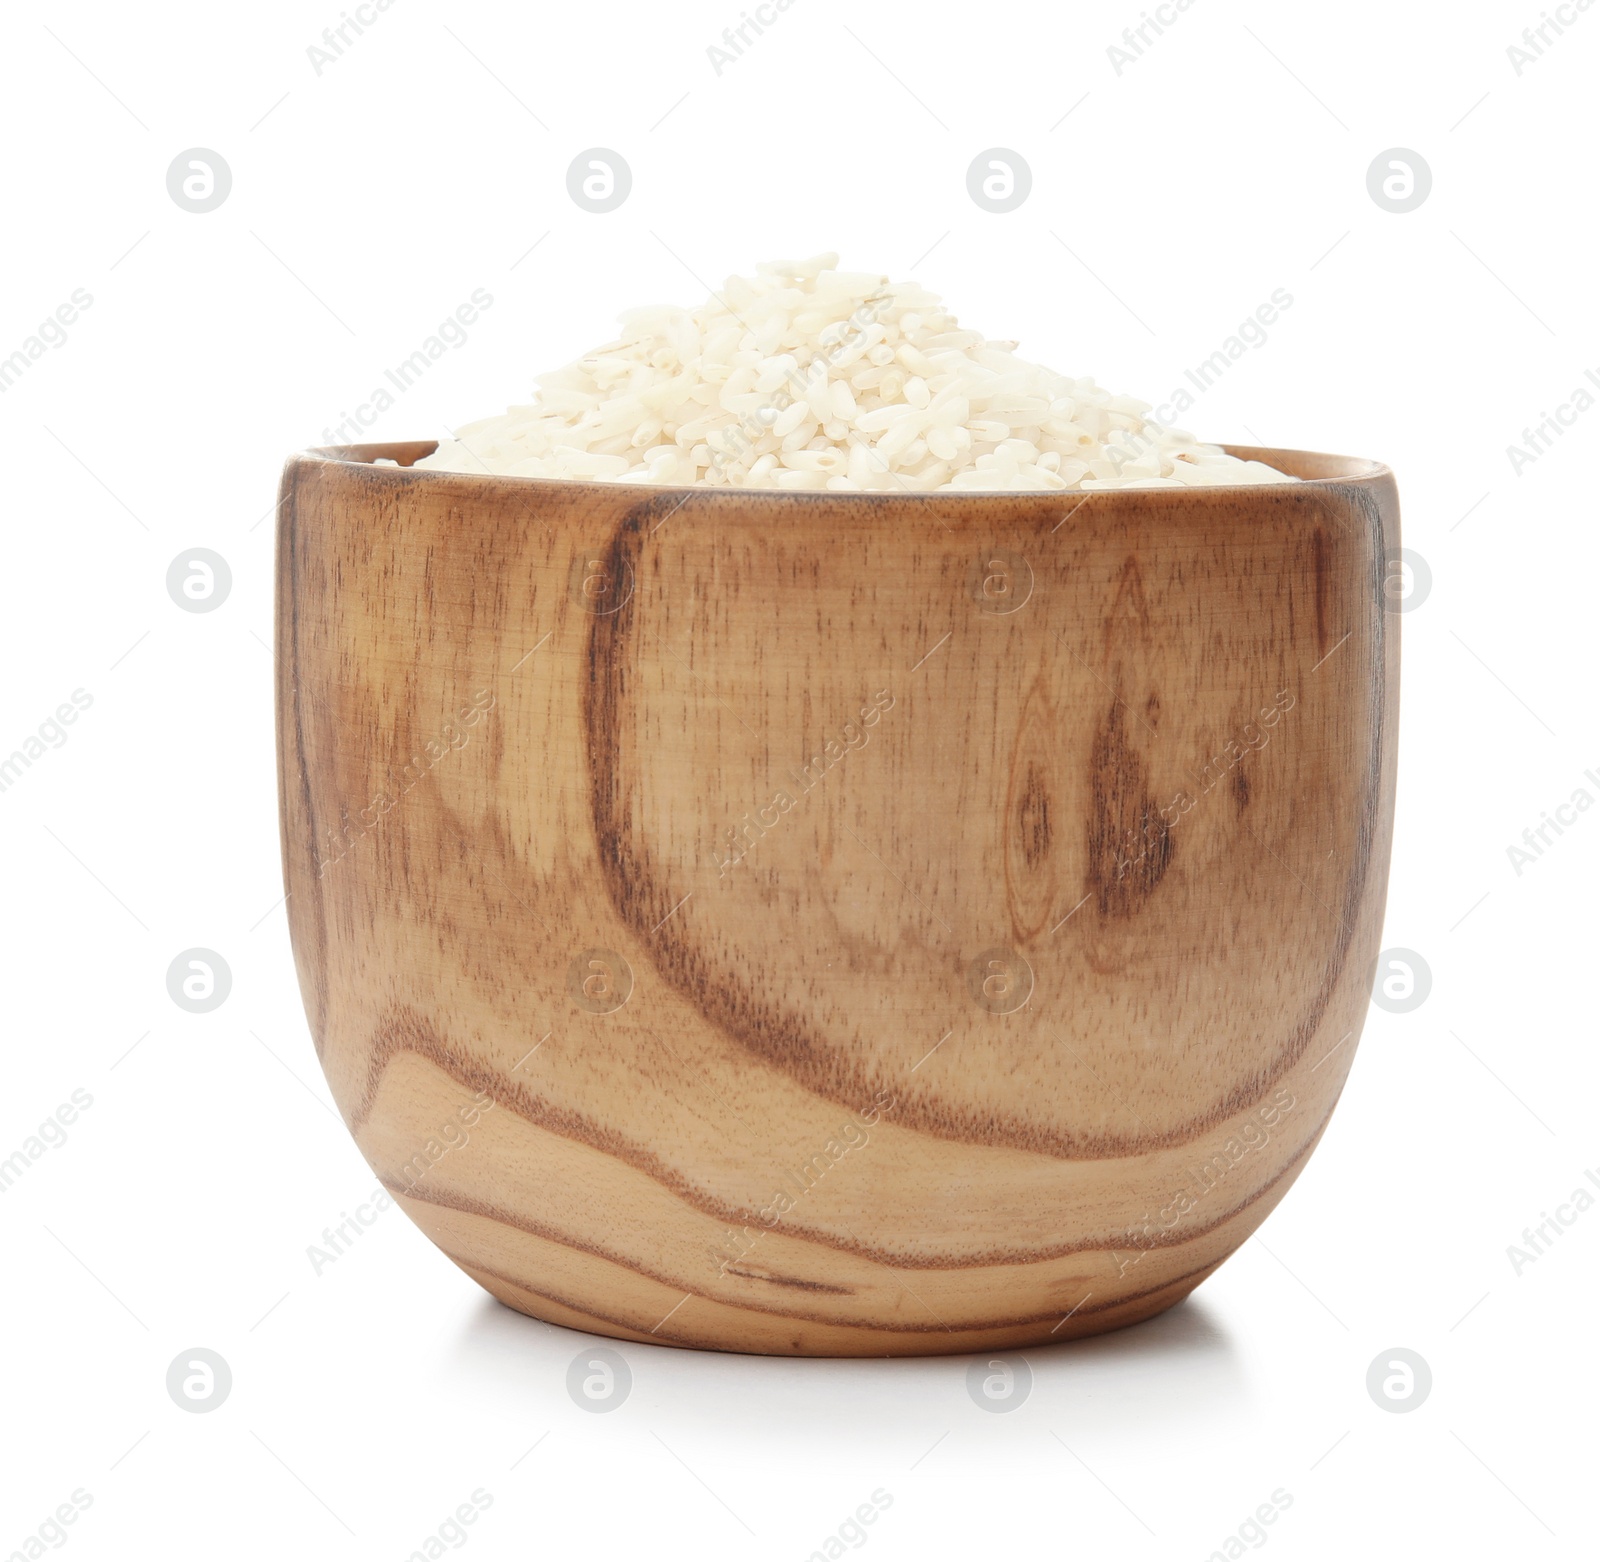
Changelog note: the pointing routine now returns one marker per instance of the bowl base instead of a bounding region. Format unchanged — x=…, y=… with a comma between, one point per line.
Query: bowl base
x=699, y=1323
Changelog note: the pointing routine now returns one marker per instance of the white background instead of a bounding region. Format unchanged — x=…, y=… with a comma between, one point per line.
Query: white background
x=371, y=1399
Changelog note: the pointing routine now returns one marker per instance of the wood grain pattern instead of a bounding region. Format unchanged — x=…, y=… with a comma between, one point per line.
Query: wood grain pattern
x=831, y=924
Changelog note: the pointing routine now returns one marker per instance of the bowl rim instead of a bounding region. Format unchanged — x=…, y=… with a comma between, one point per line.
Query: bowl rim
x=1332, y=471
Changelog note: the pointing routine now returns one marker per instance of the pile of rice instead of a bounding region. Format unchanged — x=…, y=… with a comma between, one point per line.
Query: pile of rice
x=805, y=376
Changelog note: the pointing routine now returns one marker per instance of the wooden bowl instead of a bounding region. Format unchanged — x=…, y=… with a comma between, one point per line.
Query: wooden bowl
x=831, y=924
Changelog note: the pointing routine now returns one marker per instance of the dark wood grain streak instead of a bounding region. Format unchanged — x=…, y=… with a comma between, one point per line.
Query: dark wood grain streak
x=409, y=1033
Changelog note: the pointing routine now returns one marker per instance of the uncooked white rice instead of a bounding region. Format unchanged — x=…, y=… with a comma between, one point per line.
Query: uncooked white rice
x=805, y=376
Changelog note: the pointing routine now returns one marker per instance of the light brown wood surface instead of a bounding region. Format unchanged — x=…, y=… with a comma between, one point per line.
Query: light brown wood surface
x=1021, y=1015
